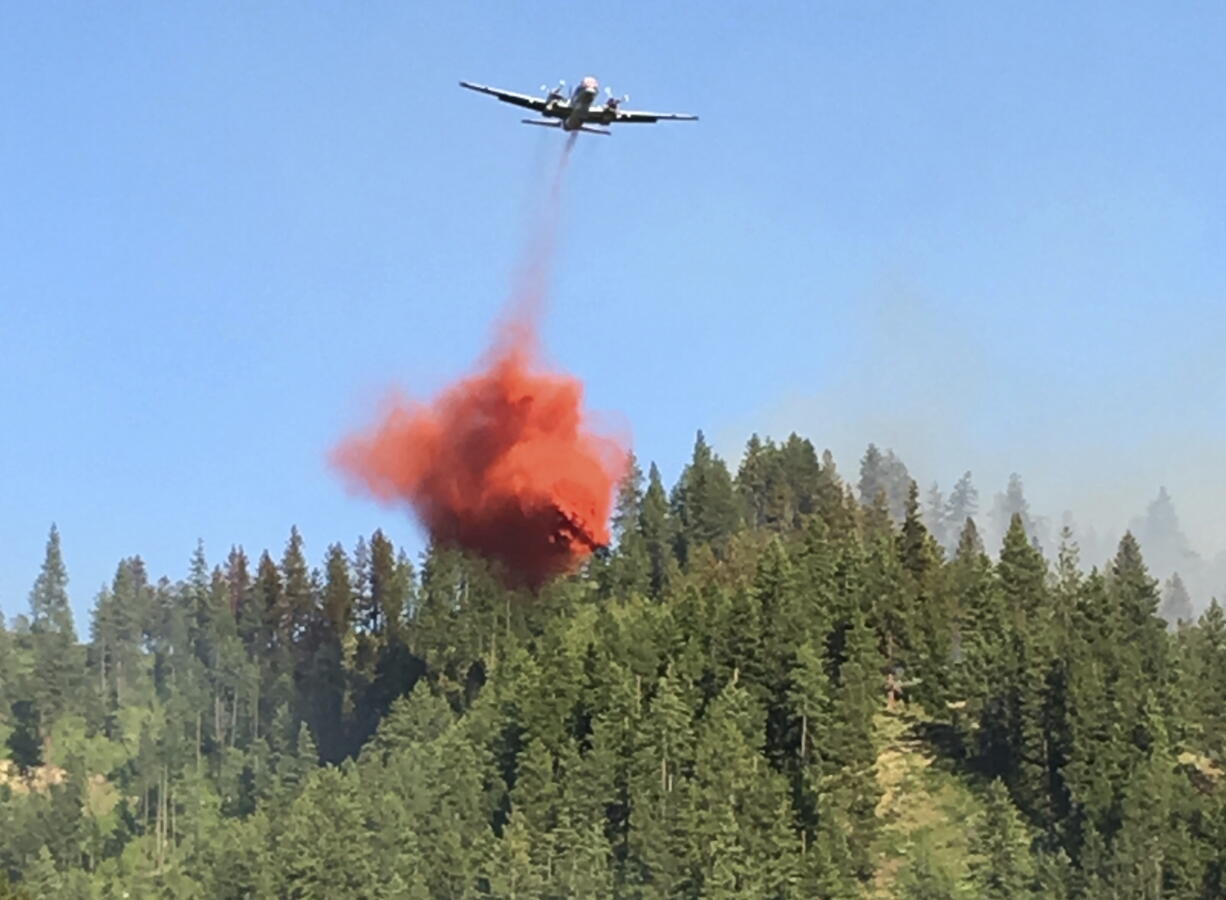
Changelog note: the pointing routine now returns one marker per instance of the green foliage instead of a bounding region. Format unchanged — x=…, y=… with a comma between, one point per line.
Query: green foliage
x=704, y=503
x=50, y=611
x=765, y=688
x=924, y=878
x=1003, y=868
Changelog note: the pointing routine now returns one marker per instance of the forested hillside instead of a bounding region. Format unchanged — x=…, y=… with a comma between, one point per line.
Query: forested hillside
x=778, y=683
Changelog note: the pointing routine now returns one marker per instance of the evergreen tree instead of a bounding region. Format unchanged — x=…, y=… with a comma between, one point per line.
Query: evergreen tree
x=1013, y=504
x=1135, y=596
x=1207, y=683
x=118, y=633
x=872, y=475
x=324, y=847
x=854, y=789
x=935, y=516
x=630, y=570
x=50, y=612
x=658, y=530
x=638, y=730
x=1176, y=604
x=703, y=502
x=295, y=601
x=884, y=473
x=923, y=877
x=1002, y=866
x=42, y=878
x=963, y=504
x=1162, y=536
x=755, y=479
x=57, y=661
x=808, y=484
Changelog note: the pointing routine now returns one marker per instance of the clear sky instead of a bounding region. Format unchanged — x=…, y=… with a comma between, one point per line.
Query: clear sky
x=989, y=235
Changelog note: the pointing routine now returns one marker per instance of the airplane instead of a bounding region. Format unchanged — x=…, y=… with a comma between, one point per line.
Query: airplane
x=576, y=113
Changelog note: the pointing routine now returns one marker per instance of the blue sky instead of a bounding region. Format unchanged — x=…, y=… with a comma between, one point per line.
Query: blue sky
x=989, y=235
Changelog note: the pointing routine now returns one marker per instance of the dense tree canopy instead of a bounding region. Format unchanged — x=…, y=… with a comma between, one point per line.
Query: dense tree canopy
x=775, y=684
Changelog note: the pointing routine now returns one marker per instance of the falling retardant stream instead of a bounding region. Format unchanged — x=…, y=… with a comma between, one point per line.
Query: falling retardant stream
x=503, y=462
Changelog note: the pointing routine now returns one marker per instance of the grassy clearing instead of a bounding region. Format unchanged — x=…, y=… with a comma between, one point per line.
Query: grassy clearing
x=921, y=804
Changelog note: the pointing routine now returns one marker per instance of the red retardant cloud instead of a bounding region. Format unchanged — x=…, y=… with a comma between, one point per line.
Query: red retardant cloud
x=500, y=463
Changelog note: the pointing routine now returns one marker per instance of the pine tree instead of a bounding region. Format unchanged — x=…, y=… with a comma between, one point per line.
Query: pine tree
x=884, y=473
x=1135, y=597
x=778, y=610
x=850, y=746
x=1162, y=536
x=50, y=612
x=42, y=878
x=631, y=567
x=808, y=483
x=1140, y=844
x=1023, y=576
x=872, y=475
x=117, y=632
x=703, y=502
x=1029, y=656
x=810, y=702
x=58, y=664
x=658, y=531
x=897, y=485
x=890, y=602
x=1208, y=680
x=935, y=512
x=1176, y=603
x=582, y=865
x=338, y=593
x=235, y=861
x=1002, y=866
x=1013, y=504
x=391, y=589
x=978, y=634
x=923, y=877
x=296, y=600
x=832, y=498
x=324, y=848
x=196, y=597
x=660, y=845
x=929, y=607
x=754, y=481
x=963, y=504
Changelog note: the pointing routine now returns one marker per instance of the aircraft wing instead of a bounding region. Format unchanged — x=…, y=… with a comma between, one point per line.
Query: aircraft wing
x=525, y=100
x=634, y=115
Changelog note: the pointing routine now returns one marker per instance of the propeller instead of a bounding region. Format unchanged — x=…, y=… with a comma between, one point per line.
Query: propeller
x=559, y=90
x=613, y=101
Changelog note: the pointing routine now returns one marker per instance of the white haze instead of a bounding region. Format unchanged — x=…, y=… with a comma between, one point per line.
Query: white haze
x=1093, y=446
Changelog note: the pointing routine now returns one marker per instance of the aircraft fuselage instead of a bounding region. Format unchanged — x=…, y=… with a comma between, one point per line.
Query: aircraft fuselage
x=580, y=102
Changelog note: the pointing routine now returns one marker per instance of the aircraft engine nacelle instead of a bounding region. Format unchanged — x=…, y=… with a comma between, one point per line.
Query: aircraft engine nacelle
x=554, y=96
x=610, y=107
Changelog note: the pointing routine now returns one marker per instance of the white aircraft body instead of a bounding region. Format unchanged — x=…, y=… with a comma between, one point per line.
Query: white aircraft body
x=577, y=113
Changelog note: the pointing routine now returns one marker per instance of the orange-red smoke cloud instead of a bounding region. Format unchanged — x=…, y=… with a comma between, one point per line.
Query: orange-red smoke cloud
x=503, y=462
x=500, y=463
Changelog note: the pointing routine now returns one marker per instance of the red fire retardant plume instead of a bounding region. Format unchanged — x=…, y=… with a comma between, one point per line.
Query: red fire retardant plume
x=500, y=463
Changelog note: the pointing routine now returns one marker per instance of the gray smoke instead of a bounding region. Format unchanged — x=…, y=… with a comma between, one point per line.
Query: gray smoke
x=1101, y=454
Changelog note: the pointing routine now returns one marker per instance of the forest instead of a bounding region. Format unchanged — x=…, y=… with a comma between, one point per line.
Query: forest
x=777, y=682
